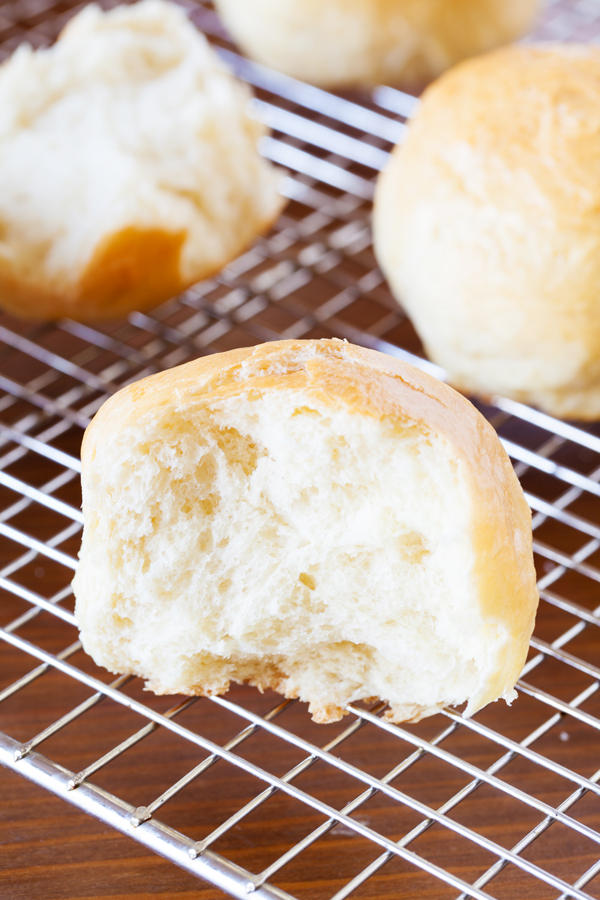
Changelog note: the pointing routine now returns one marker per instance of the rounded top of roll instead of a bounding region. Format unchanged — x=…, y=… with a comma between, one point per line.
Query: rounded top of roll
x=486, y=225
x=336, y=43
x=531, y=111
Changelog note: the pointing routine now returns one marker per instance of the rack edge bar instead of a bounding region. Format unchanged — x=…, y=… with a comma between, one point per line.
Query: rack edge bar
x=153, y=834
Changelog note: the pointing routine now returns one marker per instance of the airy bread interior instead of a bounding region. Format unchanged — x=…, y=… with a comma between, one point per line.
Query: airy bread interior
x=274, y=537
x=126, y=140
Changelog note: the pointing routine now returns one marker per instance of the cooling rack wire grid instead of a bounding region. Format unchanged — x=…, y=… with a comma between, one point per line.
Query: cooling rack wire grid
x=257, y=798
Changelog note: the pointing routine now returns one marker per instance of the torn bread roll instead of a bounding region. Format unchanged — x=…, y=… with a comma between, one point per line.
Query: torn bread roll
x=129, y=169
x=357, y=43
x=307, y=516
x=487, y=227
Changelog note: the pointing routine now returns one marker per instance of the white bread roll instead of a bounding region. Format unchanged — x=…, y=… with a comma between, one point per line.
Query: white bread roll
x=311, y=517
x=353, y=43
x=128, y=166
x=487, y=226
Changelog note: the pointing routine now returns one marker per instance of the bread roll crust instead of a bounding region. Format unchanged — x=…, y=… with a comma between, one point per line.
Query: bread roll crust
x=354, y=43
x=129, y=168
x=132, y=269
x=329, y=376
x=486, y=226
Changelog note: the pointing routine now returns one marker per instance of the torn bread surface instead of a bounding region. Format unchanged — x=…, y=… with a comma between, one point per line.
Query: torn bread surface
x=129, y=166
x=306, y=516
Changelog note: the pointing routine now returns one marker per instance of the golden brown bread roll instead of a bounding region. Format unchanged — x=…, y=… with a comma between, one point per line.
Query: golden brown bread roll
x=353, y=43
x=307, y=516
x=487, y=226
x=128, y=166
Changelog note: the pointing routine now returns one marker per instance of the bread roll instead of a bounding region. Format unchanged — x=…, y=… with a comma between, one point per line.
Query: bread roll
x=128, y=166
x=311, y=517
x=353, y=43
x=487, y=226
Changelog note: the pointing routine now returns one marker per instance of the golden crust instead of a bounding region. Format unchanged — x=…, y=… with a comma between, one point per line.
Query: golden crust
x=497, y=187
x=373, y=384
x=560, y=84
x=133, y=269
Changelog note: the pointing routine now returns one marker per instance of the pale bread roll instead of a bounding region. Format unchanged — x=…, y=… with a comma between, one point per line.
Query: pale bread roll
x=487, y=226
x=311, y=517
x=128, y=166
x=354, y=43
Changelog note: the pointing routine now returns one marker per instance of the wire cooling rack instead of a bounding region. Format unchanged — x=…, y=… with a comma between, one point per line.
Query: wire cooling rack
x=245, y=791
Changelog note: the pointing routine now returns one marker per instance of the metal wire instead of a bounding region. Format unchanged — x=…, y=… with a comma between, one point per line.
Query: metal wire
x=314, y=275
